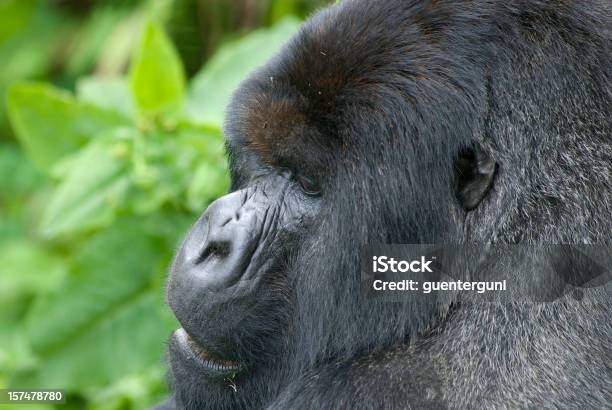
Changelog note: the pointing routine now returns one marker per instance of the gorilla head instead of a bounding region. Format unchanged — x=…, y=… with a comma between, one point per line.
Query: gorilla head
x=386, y=122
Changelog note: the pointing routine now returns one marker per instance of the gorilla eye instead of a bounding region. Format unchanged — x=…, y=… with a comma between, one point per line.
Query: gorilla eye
x=308, y=185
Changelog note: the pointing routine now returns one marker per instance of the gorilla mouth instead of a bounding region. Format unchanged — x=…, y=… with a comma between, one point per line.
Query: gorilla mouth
x=215, y=365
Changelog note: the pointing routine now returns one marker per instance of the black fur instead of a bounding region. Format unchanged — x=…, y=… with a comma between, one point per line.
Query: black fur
x=379, y=101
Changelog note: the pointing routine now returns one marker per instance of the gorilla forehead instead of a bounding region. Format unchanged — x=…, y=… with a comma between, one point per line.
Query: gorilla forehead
x=313, y=101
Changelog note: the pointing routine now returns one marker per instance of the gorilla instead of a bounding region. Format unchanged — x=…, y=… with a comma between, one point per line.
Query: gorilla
x=404, y=122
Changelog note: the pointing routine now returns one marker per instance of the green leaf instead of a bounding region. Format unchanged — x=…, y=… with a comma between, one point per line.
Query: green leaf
x=209, y=182
x=14, y=15
x=213, y=87
x=30, y=44
x=157, y=75
x=92, y=35
x=111, y=94
x=27, y=268
x=50, y=123
x=284, y=8
x=108, y=320
x=123, y=341
x=22, y=191
x=107, y=269
x=137, y=391
x=94, y=184
x=17, y=175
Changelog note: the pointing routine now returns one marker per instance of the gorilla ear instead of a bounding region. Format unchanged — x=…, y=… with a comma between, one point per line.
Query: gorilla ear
x=475, y=174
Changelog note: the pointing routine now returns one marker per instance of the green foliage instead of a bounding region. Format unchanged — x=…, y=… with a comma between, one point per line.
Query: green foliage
x=50, y=123
x=112, y=94
x=20, y=12
x=27, y=42
x=157, y=78
x=120, y=321
x=212, y=88
x=94, y=181
x=108, y=180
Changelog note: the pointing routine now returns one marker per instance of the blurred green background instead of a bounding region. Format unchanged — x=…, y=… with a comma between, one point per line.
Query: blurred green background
x=111, y=145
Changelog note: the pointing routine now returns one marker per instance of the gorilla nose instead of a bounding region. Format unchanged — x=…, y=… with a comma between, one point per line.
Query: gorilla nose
x=221, y=266
x=213, y=268
x=217, y=251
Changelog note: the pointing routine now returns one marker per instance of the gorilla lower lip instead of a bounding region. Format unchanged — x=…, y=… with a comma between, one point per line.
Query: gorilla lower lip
x=204, y=357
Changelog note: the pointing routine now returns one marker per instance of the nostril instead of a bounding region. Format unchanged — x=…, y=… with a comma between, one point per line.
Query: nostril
x=217, y=249
x=221, y=249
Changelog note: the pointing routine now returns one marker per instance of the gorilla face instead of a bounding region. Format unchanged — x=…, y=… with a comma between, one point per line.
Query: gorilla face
x=268, y=276
x=232, y=267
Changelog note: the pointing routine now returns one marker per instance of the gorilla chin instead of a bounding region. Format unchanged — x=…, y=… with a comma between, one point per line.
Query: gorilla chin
x=404, y=122
x=184, y=348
